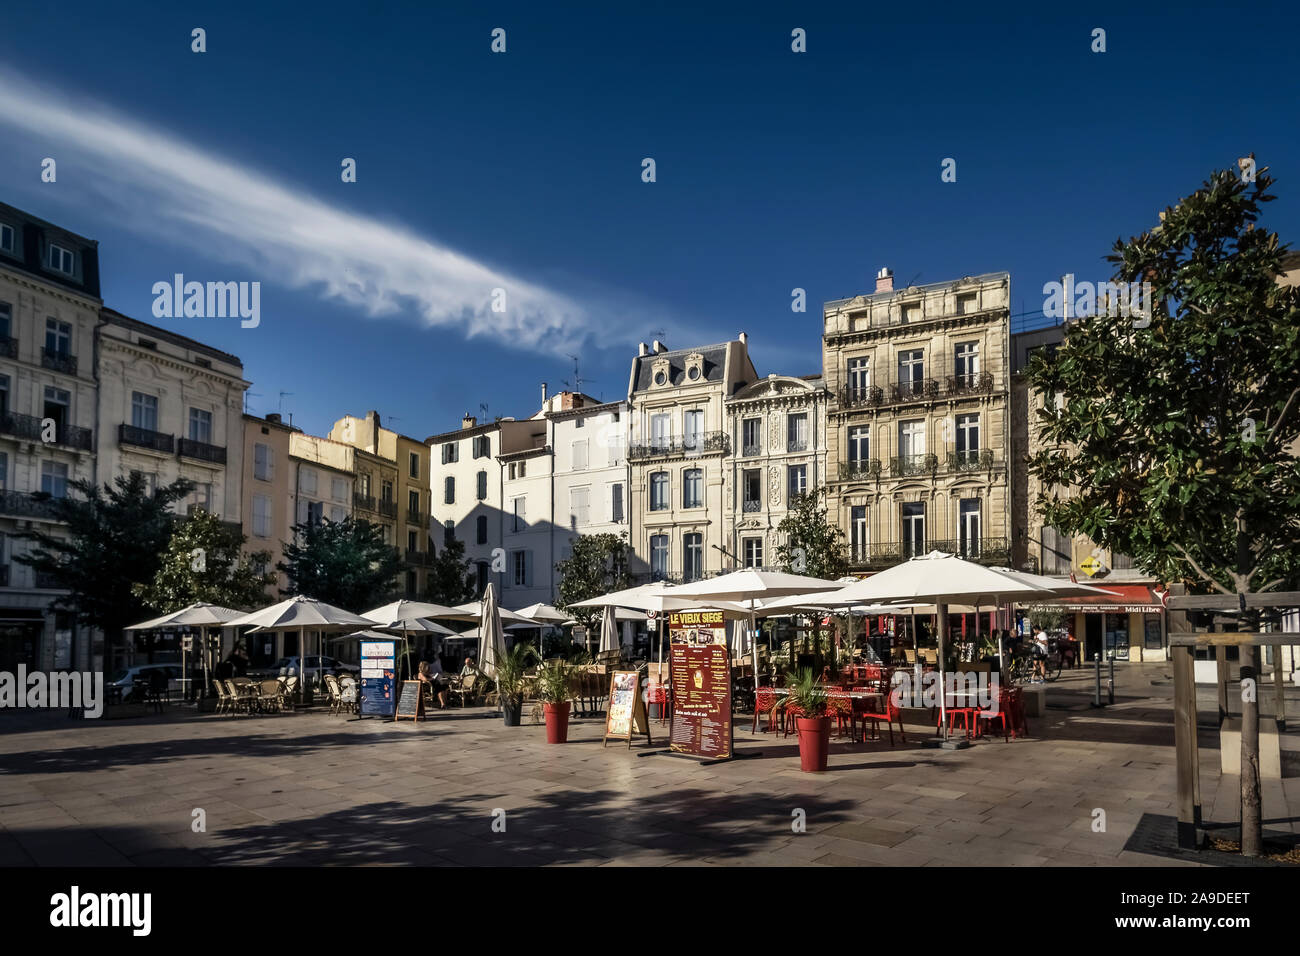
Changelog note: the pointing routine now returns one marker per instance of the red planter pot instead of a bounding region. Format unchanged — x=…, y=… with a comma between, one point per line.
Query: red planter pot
x=814, y=742
x=557, y=723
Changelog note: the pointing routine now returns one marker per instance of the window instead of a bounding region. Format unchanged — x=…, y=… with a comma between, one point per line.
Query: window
x=858, y=531
x=796, y=482
x=58, y=338
x=753, y=552
x=913, y=513
x=57, y=406
x=751, y=481
x=6, y=320
x=522, y=565
x=659, y=491
x=511, y=472
x=448, y=532
x=480, y=486
x=4, y=471
x=62, y=260
x=578, y=453
x=201, y=497
x=796, y=431
x=968, y=527
x=413, y=501
x=911, y=445
x=339, y=489
x=449, y=490
x=520, y=507
x=315, y=512
x=859, y=378
x=481, y=569
x=911, y=370
x=412, y=541
x=751, y=437
x=693, y=488
x=660, y=427
x=201, y=426
x=413, y=466
x=480, y=529
x=337, y=513
x=523, y=469
x=860, y=444
x=144, y=411
x=54, y=479
x=7, y=240
x=4, y=394
x=966, y=364
x=692, y=556
x=450, y=453
x=262, y=516
x=150, y=482
x=482, y=446
x=968, y=439
x=658, y=556
x=386, y=490
x=307, y=481
x=579, y=507
x=616, y=502
x=692, y=428
x=363, y=484
x=263, y=463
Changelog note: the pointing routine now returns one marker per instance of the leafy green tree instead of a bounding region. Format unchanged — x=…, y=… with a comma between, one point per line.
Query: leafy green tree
x=110, y=540
x=204, y=561
x=451, y=580
x=1174, y=435
x=813, y=545
x=598, y=564
x=345, y=563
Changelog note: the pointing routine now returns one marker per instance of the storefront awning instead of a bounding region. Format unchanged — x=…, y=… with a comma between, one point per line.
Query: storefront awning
x=1127, y=599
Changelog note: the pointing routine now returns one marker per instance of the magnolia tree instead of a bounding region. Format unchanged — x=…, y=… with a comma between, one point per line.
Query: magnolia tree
x=813, y=544
x=598, y=564
x=1174, y=431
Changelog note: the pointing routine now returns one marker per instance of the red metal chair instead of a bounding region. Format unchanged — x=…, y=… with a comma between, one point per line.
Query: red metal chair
x=658, y=694
x=1002, y=713
x=955, y=711
x=887, y=711
x=789, y=712
x=839, y=707
x=764, y=701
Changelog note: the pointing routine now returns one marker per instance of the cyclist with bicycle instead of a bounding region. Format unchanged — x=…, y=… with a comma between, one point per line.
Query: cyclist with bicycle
x=1040, y=650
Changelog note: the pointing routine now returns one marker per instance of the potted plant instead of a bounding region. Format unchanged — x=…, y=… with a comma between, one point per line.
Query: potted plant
x=554, y=687
x=511, y=681
x=812, y=722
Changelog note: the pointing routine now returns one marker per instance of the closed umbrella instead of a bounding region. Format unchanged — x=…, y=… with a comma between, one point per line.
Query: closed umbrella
x=493, y=638
x=608, y=629
x=302, y=614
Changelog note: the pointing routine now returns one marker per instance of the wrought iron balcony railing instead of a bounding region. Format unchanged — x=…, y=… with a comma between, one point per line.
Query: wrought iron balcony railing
x=863, y=470
x=906, y=465
x=31, y=428
x=145, y=438
x=971, y=459
x=415, y=517
x=703, y=444
x=983, y=550
x=24, y=505
x=752, y=504
x=751, y=451
x=202, y=451
x=417, y=557
x=860, y=397
x=9, y=347
x=59, y=361
x=388, y=507
x=969, y=383
x=364, y=502
x=797, y=446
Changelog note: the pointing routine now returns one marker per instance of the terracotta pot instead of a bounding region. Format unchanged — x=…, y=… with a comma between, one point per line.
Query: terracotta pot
x=814, y=742
x=557, y=722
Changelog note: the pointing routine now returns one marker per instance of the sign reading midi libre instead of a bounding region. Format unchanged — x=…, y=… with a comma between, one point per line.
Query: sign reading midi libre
x=378, y=675
x=700, y=674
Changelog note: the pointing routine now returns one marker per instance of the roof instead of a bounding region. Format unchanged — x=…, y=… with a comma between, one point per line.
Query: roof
x=33, y=235
x=113, y=317
x=1137, y=598
x=715, y=363
x=913, y=289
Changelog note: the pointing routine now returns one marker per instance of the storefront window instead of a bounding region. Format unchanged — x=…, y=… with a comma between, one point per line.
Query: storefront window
x=1151, y=623
x=1117, y=636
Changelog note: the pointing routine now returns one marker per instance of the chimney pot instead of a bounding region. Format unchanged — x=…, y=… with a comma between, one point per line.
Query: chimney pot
x=543, y=393
x=658, y=347
x=885, y=280
x=744, y=338
x=469, y=421
x=273, y=417
x=641, y=348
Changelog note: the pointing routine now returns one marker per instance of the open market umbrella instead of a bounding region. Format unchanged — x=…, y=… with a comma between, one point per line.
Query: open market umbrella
x=543, y=614
x=201, y=615
x=302, y=614
x=472, y=611
x=403, y=617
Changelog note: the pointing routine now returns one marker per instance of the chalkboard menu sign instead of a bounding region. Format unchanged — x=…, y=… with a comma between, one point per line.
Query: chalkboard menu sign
x=378, y=674
x=627, y=713
x=700, y=677
x=411, y=702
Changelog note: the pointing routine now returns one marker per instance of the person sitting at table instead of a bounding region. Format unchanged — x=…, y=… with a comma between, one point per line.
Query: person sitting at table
x=434, y=679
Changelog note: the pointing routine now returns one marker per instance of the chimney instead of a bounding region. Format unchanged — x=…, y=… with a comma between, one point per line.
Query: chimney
x=658, y=347
x=885, y=280
x=469, y=421
x=274, y=417
x=744, y=339
x=641, y=348
x=543, y=393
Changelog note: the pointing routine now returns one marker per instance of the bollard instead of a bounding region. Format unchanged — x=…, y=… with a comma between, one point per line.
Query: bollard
x=1110, y=682
x=1096, y=694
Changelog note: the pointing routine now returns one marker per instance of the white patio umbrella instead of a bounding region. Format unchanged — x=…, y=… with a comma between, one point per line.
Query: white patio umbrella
x=543, y=614
x=473, y=611
x=608, y=629
x=201, y=615
x=302, y=614
x=403, y=617
x=493, y=638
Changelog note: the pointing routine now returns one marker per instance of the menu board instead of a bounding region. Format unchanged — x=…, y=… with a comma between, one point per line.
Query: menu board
x=627, y=713
x=411, y=702
x=378, y=674
x=700, y=676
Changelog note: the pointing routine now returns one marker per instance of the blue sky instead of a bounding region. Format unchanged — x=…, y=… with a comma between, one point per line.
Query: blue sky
x=522, y=170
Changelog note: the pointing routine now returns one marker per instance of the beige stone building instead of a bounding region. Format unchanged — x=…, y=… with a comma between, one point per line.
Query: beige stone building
x=917, y=424
x=268, y=507
x=376, y=483
x=777, y=430
x=678, y=443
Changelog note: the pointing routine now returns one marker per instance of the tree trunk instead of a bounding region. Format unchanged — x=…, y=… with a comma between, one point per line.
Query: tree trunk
x=1252, y=837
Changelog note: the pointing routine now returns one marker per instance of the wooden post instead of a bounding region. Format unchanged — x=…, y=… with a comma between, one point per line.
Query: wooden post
x=1186, y=757
x=1224, y=673
x=1279, y=688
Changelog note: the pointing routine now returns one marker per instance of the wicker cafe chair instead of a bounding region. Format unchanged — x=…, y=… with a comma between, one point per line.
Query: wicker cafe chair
x=268, y=696
x=349, y=694
x=466, y=688
x=223, y=698
x=335, y=694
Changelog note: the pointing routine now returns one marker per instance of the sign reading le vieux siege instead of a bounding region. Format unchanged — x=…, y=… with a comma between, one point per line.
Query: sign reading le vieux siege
x=700, y=674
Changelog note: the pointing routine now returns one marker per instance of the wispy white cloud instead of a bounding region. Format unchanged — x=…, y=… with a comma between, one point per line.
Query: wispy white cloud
x=178, y=191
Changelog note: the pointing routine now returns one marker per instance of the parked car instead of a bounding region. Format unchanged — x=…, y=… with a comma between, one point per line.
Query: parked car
x=132, y=683
x=288, y=666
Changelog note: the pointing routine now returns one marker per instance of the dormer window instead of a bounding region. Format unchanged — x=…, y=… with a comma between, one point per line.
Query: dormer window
x=148, y=344
x=694, y=367
x=660, y=373
x=62, y=260
x=8, y=240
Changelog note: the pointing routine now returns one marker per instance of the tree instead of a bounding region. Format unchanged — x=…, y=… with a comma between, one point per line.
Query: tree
x=111, y=540
x=204, y=561
x=345, y=563
x=813, y=545
x=1174, y=439
x=450, y=579
x=598, y=564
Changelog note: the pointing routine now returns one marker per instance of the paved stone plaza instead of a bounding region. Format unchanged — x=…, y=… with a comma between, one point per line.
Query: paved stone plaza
x=312, y=789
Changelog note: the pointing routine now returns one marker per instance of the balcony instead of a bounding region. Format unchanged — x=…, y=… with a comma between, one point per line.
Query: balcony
x=59, y=361
x=202, y=451
x=145, y=438
x=20, y=504
x=419, y=558
x=364, y=502
x=926, y=388
x=910, y=465
x=8, y=347
x=31, y=428
x=982, y=550
x=861, y=397
x=969, y=383
x=751, y=451
x=388, y=508
x=415, y=517
x=752, y=504
x=864, y=470
x=970, y=460
x=795, y=446
x=702, y=444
